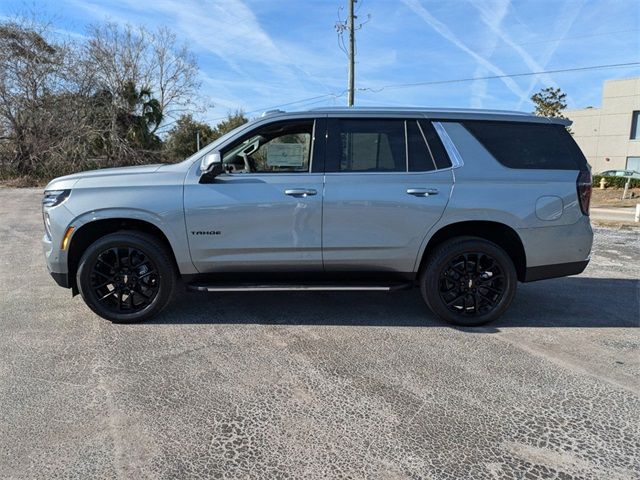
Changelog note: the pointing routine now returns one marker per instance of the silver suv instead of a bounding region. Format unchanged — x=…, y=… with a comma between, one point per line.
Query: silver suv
x=462, y=204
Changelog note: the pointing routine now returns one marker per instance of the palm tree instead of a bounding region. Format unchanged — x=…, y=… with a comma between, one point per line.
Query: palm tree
x=140, y=116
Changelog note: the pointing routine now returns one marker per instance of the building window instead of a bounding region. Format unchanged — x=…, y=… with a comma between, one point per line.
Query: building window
x=633, y=163
x=635, y=126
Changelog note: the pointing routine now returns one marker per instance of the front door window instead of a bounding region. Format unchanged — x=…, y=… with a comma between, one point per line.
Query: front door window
x=283, y=147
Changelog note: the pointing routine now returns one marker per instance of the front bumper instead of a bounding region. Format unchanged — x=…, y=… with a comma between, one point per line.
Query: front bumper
x=55, y=258
x=62, y=279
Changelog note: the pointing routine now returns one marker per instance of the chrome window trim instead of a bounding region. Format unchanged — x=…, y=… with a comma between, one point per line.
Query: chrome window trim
x=312, y=146
x=427, y=172
x=449, y=146
x=433, y=160
x=406, y=147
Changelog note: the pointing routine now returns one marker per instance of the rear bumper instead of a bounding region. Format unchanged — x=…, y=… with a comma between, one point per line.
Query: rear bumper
x=553, y=271
x=557, y=251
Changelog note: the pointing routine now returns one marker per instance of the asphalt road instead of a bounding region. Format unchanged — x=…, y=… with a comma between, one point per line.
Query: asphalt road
x=318, y=385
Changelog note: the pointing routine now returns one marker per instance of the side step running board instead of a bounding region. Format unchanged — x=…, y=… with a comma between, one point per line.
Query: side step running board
x=258, y=287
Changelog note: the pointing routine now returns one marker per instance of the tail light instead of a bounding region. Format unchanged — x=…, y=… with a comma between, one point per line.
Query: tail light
x=584, y=190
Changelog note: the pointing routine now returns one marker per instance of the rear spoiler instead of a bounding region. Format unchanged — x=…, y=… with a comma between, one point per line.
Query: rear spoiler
x=560, y=121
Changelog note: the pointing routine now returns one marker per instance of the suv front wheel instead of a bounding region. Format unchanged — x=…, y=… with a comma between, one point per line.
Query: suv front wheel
x=468, y=281
x=126, y=276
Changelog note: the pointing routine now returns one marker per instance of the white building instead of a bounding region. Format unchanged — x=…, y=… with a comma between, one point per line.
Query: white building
x=609, y=136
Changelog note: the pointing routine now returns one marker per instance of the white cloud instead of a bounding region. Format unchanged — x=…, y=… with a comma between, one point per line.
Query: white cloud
x=487, y=14
x=255, y=53
x=498, y=11
x=446, y=33
x=566, y=18
x=227, y=35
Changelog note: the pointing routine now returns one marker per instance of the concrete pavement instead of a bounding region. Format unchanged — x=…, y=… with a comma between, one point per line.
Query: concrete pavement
x=614, y=214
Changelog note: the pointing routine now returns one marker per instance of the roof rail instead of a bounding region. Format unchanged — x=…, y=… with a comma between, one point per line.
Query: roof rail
x=418, y=109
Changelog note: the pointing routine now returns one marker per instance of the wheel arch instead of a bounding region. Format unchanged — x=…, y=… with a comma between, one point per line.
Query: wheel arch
x=91, y=231
x=499, y=233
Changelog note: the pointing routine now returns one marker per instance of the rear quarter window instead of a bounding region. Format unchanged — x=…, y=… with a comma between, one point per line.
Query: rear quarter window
x=529, y=145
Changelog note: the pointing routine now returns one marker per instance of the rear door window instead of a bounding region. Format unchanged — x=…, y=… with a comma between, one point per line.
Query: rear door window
x=529, y=145
x=384, y=145
x=366, y=145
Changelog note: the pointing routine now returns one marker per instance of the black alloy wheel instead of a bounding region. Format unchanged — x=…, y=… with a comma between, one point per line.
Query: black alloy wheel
x=124, y=279
x=126, y=276
x=468, y=281
x=471, y=284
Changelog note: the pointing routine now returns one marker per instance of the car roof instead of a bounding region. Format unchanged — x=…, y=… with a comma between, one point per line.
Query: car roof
x=425, y=112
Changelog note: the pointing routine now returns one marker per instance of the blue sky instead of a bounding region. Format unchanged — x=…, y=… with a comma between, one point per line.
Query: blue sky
x=255, y=54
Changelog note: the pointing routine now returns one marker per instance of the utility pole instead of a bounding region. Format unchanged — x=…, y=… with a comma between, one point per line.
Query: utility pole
x=352, y=41
x=350, y=25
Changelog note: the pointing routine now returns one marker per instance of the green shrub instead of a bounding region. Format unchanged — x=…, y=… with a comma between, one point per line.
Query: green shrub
x=615, y=182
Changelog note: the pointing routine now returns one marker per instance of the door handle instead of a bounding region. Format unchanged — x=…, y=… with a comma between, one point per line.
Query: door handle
x=300, y=192
x=422, y=192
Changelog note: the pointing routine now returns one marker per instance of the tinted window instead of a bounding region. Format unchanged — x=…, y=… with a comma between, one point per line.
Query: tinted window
x=420, y=157
x=366, y=146
x=529, y=145
x=436, y=147
x=635, y=126
x=279, y=147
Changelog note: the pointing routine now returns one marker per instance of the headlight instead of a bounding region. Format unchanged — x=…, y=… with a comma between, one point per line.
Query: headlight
x=54, y=197
x=51, y=199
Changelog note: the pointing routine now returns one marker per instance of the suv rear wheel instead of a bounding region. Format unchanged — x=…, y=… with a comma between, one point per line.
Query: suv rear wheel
x=126, y=276
x=468, y=281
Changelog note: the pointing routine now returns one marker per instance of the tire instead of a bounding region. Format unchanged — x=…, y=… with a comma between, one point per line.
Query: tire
x=468, y=281
x=126, y=277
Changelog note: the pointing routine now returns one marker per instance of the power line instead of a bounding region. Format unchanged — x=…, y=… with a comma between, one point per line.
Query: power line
x=340, y=27
x=303, y=100
x=493, y=77
x=321, y=98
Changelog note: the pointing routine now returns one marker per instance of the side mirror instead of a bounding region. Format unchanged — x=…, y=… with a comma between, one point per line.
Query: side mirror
x=210, y=162
x=210, y=167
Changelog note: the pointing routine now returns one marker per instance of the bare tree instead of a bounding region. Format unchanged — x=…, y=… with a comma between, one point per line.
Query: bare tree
x=40, y=106
x=150, y=60
x=69, y=105
x=173, y=74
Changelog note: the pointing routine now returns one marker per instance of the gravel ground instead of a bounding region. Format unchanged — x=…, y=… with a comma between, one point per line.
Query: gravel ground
x=318, y=385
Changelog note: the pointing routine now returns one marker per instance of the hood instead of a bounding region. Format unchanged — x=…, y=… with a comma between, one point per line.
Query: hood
x=108, y=174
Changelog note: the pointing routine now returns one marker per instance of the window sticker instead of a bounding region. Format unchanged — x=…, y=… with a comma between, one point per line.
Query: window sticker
x=285, y=155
